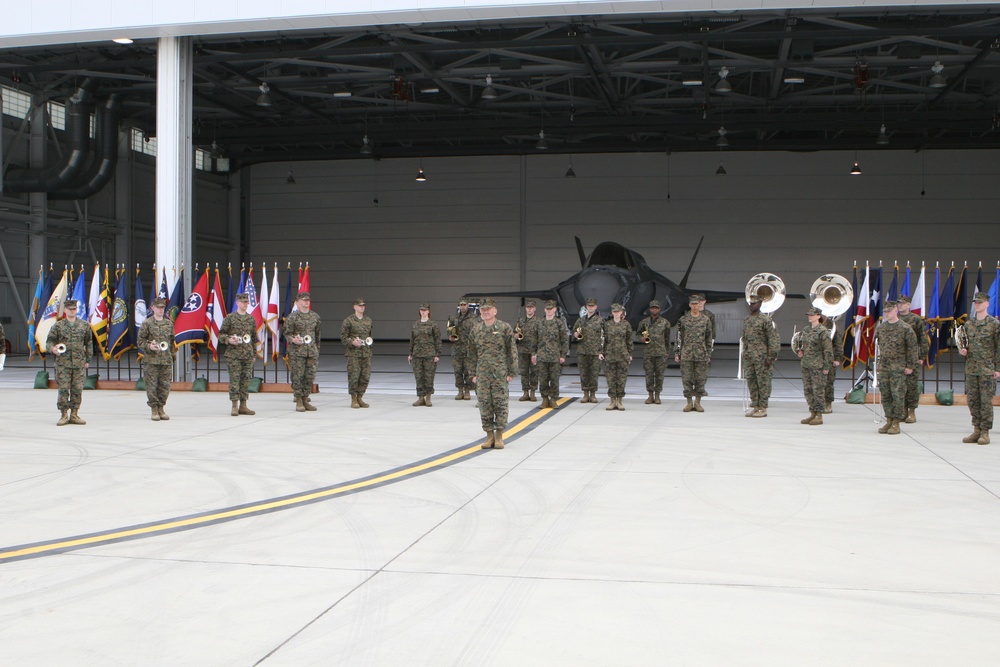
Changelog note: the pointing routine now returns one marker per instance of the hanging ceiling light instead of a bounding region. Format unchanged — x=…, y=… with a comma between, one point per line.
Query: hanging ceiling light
x=264, y=99
x=214, y=153
x=569, y=172
x=366, y=148
x=122, y=40
x=794, y=78
x=342, y=92
x=489, y=92
x=542, y=143
x=291, y=178
x=421, y=176
x=856, y=169
x=721, y=171
x=723, y=86
x=691, y=80
x=430, y=88
x=883, y=138
x=722, y=142
x=939, y=80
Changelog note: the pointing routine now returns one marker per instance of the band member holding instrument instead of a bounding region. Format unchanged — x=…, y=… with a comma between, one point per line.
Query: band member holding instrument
x=814, y=347
x=157, y=362
x=981, y=338
x=425, y=352
x=919, y=326
x=693, y=349
x=761, y=345
x=493, y=355
x=237, y=331
x=655, y=333
x=72, y=342
x=837, y=341
x=616, y=353
x=459, y=328
x=525, y=333
x=897, y=358
x=551, y=338
x=588, y=332
x=301, y=330
x=354, y=334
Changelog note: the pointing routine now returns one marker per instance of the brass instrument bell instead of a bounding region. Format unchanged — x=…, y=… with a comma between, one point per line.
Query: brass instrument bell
x=59, y=348
x=832, y=294
x=769, y=288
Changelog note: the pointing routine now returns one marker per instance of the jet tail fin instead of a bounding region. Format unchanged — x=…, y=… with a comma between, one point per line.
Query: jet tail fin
x=684, y=280
x=583, y=255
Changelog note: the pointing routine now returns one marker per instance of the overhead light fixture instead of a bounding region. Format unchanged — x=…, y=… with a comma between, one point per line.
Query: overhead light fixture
x=939, y=80
x=264, y=99
x=721, y=171
x=342, y=92
x=691, y=80
x=542, y=143
x=856, y=169
x=489, y=92
x=723, y=86
x=883, y=138
x=569, y=172
x=722, y=142
x=122, y=40
x=366, y=148
x=794, y=78
x=291, y=178
x=421, y=176
x=430, y=88
x=214, y=153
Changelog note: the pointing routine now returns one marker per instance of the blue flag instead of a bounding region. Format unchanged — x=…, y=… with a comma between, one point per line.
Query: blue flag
x=37, y=304
x=946, y=303
x=961, y=305
x=905, y=289
x=240, y=288
x=290, y=293
x=80, y=294
x=893, y=293
x=119, y=336
x=176, y=298
x=995, y=295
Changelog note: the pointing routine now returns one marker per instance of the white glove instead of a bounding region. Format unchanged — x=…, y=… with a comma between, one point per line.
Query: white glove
x=3, y=358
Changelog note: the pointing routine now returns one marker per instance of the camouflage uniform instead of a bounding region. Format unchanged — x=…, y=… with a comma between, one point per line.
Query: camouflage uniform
x=761, y=345
x=919, y=326
x=981, y=362
x=655, y=363
x=240, y=357
x=529, y=373
x=70, y=372
x=157, y=365
x=817, y=356
x=617, y=351
x=897, y=349
x=425, y=344
x=464, y=371
x=694, y=347
x=587, y=349
x=551, y=344
x=359, y=359
x=493, y=355
x=303, y=360
x=838, y=355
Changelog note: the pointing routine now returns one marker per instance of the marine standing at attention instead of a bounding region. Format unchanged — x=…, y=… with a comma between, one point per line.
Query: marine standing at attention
x=525, y=333
x=693, y=349
x=459, y=329
x=814, y=348
x=919, y=326
x=156, y=340
x=897, y=358
x=588, y=332
x=356, y=335
x=551, y=347
x=72, y=342
x=301, y=330
x=425, y=352
x=616, y=353
x=760, y=349
x=981, y=335
x=493, y=355
x=655, y=332
x=238, y=331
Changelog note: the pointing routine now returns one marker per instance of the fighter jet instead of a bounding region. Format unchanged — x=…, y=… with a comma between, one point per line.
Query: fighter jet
x=616, y=274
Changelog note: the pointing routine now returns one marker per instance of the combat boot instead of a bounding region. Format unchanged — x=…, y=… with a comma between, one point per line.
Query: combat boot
x=236, y=409
x=466, y=395
x=299, y=407
x=690, y=406
x=354, y=400
x=156, y=415
x=697, y=404
x=984, y=437
x=458, y=396
x=244, y=410
x=974, y=438
x=163, y=415
x=427, y=400
x=420, y=401
x=524, y=396
x=361, y=402
x=307, y=404
x=490, y=440
x=885, y=427
x=74, y=418
x=498, y=440
x=64, y=419
x=618, y=402
x=759, y=412
x=894, y=427
x=531, y=396
x=553, y=401
x=828, y=408
x=649, y=401
x=612, y=403
x=911, y=416
x=810, y=418
x=817, y=419
x=751, y=412
x=656, y=397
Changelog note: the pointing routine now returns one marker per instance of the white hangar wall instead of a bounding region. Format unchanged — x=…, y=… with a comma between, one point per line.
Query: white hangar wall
x=494, y=224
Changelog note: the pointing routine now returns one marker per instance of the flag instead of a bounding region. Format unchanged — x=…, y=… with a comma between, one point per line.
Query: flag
x=980, y=286
x=289, y=302
x=917, y=302
x=176, y=297
x=214, y=314
x=905, y=289
x=98, y=307
x=191, y=322
x=80, y=295
x=874, y=314
x=893, y=293
x=933, y=314
x=946, y=305
x=141, y=308
x=862, y=303
x=241, y=287
x=273, y=311
x=33, y=313
x=164, y=292
x=995, y=295
x=120, y=340
x=847, y=353
x=230, y=296
x=254, y=307
x=961, y=303
x=52, y=313
x=304, y=280
x=262, y=330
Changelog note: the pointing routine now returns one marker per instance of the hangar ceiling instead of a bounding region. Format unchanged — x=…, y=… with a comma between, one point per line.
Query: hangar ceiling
x=799, y=80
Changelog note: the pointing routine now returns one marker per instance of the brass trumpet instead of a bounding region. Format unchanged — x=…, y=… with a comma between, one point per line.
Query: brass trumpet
x=59, y=348
x=307, y=340
x=369, y=341
x=646, y=337
x=162, y=345
x=453, y=332
x=518, y=333
x=796, y=340
x=962, y=338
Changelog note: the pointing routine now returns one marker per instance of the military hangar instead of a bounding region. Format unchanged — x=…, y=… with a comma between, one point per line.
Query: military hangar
x=794, y=140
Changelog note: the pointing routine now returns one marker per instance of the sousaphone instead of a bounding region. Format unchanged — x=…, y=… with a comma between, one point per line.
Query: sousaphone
x=832, y=294
x=769, y=288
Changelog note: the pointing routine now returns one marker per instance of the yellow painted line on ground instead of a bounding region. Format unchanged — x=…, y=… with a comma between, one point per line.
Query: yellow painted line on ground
x=186, y=523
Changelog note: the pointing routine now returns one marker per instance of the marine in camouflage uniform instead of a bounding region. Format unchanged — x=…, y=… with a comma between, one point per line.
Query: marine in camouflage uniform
x=303, y=357
x=982, y=367
x=461, y=324
x=815, y=349
x=837, y=341
x=353, y=333
x=425, y=352
x=693, y=349
x=549, y=354
x=761, y=346
x=919, y=326
x=655, y=363
x=616, y=354
x=527, y=329
x=239, y=355
x=493, y=355
x=71, y=365
x=588, y=332
x=897, y=358
x=157, y=364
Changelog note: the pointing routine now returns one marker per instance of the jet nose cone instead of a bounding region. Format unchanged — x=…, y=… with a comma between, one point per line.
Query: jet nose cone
x=601, y=284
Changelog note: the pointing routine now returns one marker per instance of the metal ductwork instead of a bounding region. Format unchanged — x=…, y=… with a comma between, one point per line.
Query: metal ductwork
x=75, y=159
x=105, y=158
